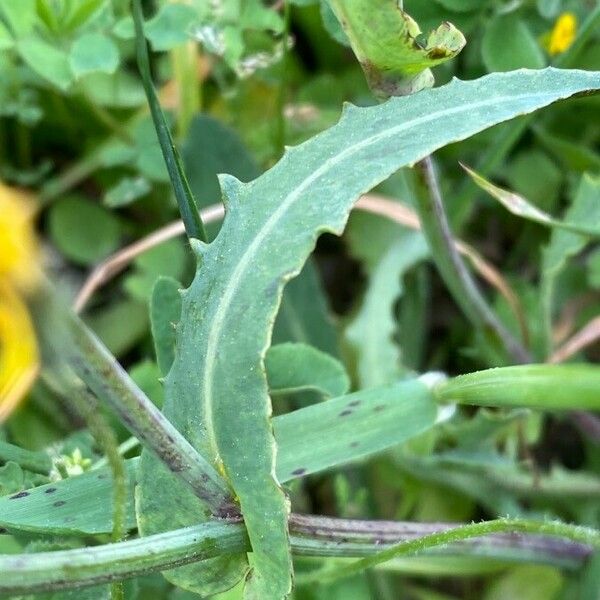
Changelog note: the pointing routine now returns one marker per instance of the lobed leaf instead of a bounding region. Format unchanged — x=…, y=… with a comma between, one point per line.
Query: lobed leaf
x=216, y=391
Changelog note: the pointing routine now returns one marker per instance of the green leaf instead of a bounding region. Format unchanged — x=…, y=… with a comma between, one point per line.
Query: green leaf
x=127, y=191
x=544, y=387
x=108, y=324
x=120, y=90
x=84, y=11
x=75, y=506
x=371, y=332
x=93, y=53
x=168, y=259
x=298, y=367
x=509, y=44
x=346, y=429
x=529, y=582
x=216, y=393
x=390, y=48
x=575, y=156
x=6, y=39
x=165, y=312
x=304, y=315
x=329, y=434
x=83, y=231
x=210, y=148
x=521, y=207
x=171, y=26
x=39, y=462
x=20, y=17
x=48, y=62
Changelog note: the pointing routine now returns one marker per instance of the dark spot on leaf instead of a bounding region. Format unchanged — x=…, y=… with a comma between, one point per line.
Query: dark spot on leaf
x=379, y=408
x=49, y=490
x=345, y=413
x=353, y=444
x=102, y=476
x=354, y=403
x=59, y=503
x=19, y=495
x=299, y=471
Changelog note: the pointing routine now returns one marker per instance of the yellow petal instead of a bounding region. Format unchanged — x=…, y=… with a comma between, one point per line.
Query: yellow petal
x=563, y=34
x=19, y=358
x=19, y=260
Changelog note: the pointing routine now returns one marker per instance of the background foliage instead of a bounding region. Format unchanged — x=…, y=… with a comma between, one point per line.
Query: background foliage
x=240, y=80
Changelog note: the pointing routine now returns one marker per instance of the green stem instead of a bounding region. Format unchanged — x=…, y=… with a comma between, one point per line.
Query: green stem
x=99, y=370
x=311, y=536
x=579, y=534
x=38, y=462
x=187, y=205
x=282, y=92
x=450, y=265
x=544, y=387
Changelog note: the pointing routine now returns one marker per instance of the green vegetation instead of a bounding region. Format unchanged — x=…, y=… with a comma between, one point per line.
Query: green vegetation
x=337, y=375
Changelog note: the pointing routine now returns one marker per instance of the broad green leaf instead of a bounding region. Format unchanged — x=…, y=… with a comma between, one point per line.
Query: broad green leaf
x=127, y=191
x=165, y=312
x=299, y=367
x=523, y=208
x=93, y=53
x=389, y=46
x=83, y=231
x=565, y=244
x=48, y=62
x=509, y=44
x=216, y=393
x=210, y=148
x=170, y=26
x=74, y=506
x=371, y=333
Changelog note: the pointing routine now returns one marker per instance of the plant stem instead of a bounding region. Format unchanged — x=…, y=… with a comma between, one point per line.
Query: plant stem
x=38, y=462
x=451, y=266
x=97, y=368
x=188, y=208
x=311, y=536
x=411, y=547
x=282, y=91
x=547, y=387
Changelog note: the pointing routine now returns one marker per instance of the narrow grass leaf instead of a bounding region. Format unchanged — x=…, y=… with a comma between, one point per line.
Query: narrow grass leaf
x=521, y=207
x=187, y=205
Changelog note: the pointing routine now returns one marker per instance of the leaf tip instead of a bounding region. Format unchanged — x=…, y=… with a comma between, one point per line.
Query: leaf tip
x=230, y=189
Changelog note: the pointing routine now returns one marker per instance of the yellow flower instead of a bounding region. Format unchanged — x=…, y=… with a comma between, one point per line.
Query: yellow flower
x=19, y=272
x=563, y=34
